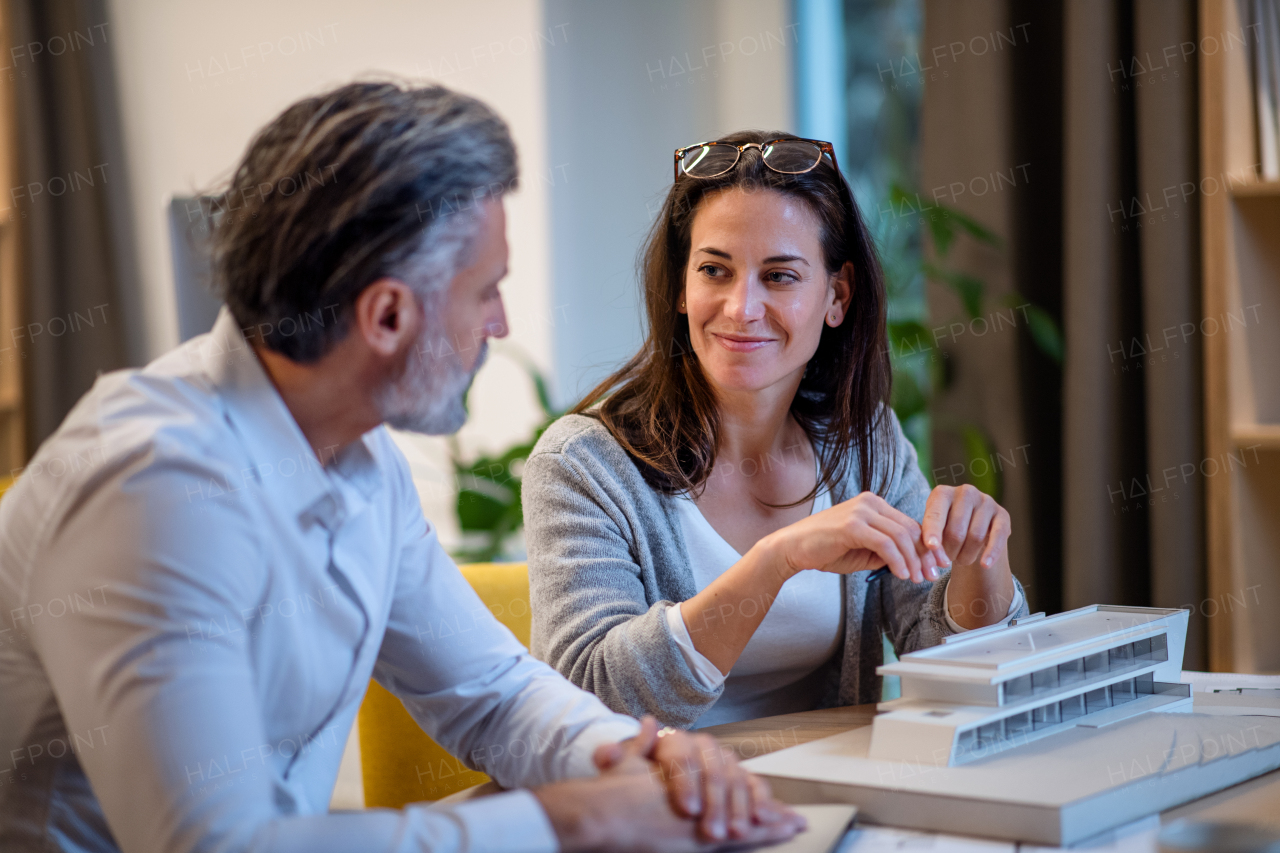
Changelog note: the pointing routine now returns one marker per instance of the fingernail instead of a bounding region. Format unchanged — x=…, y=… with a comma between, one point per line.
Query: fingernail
x=986, y=561
x=717, y=828
x=933, y=542
x=933, y=573
x=691, y=805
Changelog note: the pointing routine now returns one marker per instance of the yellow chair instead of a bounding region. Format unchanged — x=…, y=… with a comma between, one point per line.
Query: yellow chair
x=6, y=483
x=399, y=762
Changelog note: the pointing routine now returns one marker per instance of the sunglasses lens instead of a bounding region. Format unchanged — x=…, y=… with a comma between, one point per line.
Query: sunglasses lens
x=792, y=157
x=708, y=161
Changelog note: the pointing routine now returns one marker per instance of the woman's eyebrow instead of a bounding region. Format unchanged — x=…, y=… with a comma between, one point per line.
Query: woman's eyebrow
x=775, y=259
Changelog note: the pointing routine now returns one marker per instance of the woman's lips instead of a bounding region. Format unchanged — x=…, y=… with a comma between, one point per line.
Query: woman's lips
x=741, y=343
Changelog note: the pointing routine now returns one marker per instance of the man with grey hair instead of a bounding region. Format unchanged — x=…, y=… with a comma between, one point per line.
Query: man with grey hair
x=203, y=567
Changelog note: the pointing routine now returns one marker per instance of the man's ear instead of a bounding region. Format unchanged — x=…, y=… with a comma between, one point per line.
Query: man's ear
x=842, y=293
x=387, y=316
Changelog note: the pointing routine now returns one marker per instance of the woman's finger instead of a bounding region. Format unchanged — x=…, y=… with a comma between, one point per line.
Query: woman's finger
x=997, y=539
x=902, y=543
x=936, y=511
x=976, y=538
x=957, y=528
x=888, y=510
x=887, y=550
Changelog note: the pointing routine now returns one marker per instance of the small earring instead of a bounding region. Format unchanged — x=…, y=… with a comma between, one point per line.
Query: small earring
x=682, y=304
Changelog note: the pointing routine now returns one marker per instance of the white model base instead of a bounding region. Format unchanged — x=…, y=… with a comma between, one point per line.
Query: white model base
x=1056, y=790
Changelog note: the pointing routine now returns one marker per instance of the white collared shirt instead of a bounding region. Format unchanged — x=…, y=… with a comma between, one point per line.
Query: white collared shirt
x=191, y=607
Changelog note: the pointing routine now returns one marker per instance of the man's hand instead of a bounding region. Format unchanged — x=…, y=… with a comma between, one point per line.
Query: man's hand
x=703, y=780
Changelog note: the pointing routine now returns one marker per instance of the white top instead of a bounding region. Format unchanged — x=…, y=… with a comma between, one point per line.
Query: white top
x=190, y=611
x=803, y=629
x=801, y=632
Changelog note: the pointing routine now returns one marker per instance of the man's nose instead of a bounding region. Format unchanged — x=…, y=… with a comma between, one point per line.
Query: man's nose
x=496, y=323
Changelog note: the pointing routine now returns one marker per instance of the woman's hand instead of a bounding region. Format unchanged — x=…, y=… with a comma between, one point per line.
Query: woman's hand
x=864, y=532
x=962, y=525
x=972, y=531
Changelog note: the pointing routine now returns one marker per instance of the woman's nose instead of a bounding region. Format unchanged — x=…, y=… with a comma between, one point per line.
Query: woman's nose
x=745, y=302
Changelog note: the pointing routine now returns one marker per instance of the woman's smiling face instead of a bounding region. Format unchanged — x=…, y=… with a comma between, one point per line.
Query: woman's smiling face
x=756, y=289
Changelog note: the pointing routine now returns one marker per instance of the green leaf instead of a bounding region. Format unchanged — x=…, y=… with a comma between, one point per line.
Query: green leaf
x=906, y=398
x=479, y=511
x=917, y=429
x=942, y=232
x=979, y=461
x=544, y=396
x=974, y=228
x=970, y=289
x=1045, y=333
x=908, y=338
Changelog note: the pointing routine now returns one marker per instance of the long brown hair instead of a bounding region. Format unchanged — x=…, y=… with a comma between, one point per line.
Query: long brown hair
x=660, y=407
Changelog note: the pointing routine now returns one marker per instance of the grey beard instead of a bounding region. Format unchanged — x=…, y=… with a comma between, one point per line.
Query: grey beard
x=429, y=397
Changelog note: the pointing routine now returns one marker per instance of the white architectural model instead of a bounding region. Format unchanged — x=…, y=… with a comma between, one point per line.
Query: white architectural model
x=987, y=690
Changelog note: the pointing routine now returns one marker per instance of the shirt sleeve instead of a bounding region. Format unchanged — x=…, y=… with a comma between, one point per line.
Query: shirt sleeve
x=473, y=687
x=128, y=669
x=1014, y=607
x=708, y=674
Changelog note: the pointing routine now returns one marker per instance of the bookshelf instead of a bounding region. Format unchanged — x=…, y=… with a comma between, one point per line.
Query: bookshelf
x=12, y=439
x=1241, y=278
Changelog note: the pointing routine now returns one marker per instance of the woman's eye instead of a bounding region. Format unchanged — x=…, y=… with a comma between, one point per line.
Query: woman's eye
x=710, y=270
x=779, y=277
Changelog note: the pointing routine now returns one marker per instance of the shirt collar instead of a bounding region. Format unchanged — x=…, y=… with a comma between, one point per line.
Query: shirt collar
x=284, y=464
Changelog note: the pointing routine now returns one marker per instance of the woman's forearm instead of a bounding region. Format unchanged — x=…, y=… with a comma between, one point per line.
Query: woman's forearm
x=977, y=597
x=723, y=617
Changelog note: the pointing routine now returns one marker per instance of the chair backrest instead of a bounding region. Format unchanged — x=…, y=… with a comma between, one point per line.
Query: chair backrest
x=399, y=762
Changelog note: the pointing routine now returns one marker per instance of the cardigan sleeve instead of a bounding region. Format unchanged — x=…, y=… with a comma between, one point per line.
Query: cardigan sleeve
x=591, y=619
x=915, y=614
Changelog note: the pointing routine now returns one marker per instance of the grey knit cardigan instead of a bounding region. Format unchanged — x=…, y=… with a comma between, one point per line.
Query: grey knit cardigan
x=607, y=557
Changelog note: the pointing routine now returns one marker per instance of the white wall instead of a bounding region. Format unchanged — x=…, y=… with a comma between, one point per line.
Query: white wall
x=197, y=79
x=634, y=82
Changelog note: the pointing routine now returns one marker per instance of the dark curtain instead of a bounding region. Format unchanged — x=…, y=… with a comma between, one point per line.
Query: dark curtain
x=1099, y=101
x=72, y=209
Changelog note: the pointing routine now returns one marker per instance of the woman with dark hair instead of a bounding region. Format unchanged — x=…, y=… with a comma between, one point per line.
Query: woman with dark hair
x=701, y=527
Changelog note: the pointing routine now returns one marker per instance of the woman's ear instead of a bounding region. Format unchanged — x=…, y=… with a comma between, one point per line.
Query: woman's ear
x=841, y=294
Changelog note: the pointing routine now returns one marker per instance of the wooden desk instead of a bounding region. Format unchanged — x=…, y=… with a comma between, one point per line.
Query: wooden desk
x=1255, y=802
